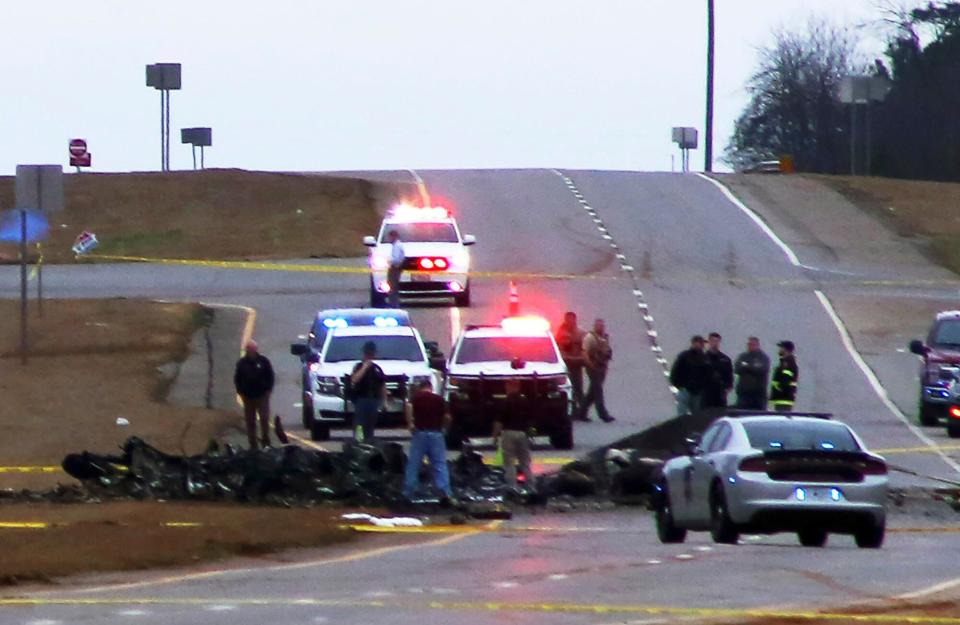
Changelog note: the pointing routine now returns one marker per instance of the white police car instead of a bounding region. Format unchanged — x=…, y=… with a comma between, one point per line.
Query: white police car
x=437, y=259
x=485, y=356
x=323, y=322
x=401, y=353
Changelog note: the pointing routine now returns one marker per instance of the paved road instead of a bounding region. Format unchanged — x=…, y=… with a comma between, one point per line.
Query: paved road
x=670, y=243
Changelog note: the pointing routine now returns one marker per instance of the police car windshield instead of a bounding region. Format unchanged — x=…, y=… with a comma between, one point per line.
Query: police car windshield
x=948, y=333
x=343, y=348
x=505, y=348
x=800, y=435
x=421, y=232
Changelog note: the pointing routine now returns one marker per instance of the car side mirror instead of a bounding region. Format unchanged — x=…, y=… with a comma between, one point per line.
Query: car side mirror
x=298, y=349
x=469, y=239
x=370, y=241
x=918, y=348
x=692, y=443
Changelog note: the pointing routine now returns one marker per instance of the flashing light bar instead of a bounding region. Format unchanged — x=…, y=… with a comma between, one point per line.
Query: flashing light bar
x=408, y=212
x=525, y=325
x=385, y=322
x=338, y=322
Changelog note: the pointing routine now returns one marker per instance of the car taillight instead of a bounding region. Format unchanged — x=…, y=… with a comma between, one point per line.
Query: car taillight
x=874, y=467
x=757, y=464
x=954, y=412
x=431, y=263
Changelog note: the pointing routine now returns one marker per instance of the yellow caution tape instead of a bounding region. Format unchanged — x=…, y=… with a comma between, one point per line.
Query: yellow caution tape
x=31, y=469
x=266, y=266
x=28, y=525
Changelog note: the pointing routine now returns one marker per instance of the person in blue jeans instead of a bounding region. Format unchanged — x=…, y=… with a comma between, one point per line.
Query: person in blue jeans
x=427, y=416
x=369, y=393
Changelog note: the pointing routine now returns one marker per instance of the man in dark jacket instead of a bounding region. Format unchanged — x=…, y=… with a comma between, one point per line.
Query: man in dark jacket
x=368, y=386
x=253, y=379
x=753, y=371
x=721, y=374
x=690, y=374
x=783, y=387
x=570, y=341
x=510, y=427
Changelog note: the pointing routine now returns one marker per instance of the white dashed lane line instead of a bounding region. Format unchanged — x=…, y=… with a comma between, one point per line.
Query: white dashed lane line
x=628, y=269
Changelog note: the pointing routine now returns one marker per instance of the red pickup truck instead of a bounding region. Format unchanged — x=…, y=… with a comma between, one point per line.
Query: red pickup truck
x=940, y=372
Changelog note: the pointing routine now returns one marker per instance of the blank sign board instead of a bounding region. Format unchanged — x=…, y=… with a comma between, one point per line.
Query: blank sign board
x=39, y=187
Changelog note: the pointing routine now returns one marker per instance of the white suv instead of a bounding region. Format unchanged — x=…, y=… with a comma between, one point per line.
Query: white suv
x=400, y=353
x=437, y=259
x=484, y=357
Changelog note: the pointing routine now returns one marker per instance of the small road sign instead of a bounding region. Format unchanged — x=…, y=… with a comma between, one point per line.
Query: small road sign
x=78, y=147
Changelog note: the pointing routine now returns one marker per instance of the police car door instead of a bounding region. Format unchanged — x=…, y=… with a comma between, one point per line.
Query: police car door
x=704, y=471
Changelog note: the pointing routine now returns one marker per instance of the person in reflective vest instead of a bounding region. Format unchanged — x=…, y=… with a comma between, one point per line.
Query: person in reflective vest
x=783, y=386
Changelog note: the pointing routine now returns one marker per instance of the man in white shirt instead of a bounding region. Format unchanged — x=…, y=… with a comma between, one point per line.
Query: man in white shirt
x=397, y=256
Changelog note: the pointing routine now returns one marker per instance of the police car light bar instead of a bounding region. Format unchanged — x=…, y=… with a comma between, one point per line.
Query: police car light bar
x=385, y=322
x=525, y=325
x=408, y=212
x=338, y=322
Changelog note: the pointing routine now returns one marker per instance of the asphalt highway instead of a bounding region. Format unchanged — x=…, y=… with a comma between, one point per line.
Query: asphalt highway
x=660, y=257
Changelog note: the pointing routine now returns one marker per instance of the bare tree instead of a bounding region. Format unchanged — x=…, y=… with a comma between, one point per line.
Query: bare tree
x=793, y=105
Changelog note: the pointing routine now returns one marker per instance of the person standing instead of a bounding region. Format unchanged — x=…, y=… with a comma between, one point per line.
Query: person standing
x=721, y=374
x=368, y=393
x=690, y=374
x=253, y=378
x=397, y=258
x=427, y=416
x=597, y=354
x=783, y=387
x=753, y=371
x=570, y=341
x=510, y=427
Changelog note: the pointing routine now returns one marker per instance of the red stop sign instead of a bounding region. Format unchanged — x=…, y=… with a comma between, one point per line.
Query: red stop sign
x=78, y=147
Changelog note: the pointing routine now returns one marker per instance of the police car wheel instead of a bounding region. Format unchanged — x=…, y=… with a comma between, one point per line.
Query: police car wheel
x=928, y=414
x=463, y=299
x=953, y=431
x=319, y=431
x=562, y=437
x=307, y=415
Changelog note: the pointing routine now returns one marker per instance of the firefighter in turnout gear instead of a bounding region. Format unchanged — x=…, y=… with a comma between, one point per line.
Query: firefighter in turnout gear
x=783, y=386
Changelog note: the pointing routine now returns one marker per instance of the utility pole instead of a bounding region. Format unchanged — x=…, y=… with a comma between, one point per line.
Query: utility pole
x=708, y=142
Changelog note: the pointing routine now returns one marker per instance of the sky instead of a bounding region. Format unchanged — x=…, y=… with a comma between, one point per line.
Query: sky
x=316, y=85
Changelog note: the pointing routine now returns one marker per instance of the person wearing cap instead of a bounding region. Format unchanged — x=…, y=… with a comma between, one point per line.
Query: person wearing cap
x=721, y=374
x=427, y=416
x=368, y=392
x=569, y=339
x=690, y=375
x=397, y=257
x=783, y=387
x=253, y=378
x=753, y=372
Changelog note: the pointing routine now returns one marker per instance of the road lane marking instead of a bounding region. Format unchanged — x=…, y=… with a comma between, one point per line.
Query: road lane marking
x=293, y=566
x=915, y=450
x=875, y=382
x=871, y=377
x=221, y=604
x=24, y=525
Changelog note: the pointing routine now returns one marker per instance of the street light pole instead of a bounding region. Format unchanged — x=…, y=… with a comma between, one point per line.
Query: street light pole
x=708, y=142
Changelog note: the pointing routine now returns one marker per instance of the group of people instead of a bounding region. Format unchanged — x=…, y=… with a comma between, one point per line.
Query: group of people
x=704, y=376
x=588, y=352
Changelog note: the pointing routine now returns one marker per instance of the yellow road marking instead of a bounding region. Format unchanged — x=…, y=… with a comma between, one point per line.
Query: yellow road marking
x=485, y=606
x=182, y=524
x=31, y=469
x=916, y=450
x=29, y=525
x=925, y=530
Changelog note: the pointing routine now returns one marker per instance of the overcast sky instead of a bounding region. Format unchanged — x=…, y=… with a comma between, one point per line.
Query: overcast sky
x=383, y=84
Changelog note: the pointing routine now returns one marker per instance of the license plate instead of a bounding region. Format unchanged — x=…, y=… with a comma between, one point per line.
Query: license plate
x=394, y=404
x=420, y=277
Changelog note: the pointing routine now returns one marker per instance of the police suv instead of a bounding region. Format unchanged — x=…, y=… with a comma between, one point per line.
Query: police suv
x=485, y=356
x=437, y=259
x=329, y=361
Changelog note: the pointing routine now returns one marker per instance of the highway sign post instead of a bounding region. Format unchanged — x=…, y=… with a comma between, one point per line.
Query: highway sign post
x=202, y=137
x=164, y=77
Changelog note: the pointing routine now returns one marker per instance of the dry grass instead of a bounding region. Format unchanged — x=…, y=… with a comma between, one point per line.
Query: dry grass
x=215, y=214
x=134, y=535
x=929, y=211
x=92, y=361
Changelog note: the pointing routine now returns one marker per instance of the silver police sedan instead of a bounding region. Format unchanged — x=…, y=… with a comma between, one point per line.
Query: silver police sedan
x=767, y=473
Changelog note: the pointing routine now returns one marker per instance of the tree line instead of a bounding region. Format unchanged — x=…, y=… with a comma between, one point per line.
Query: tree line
x=795, y=107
